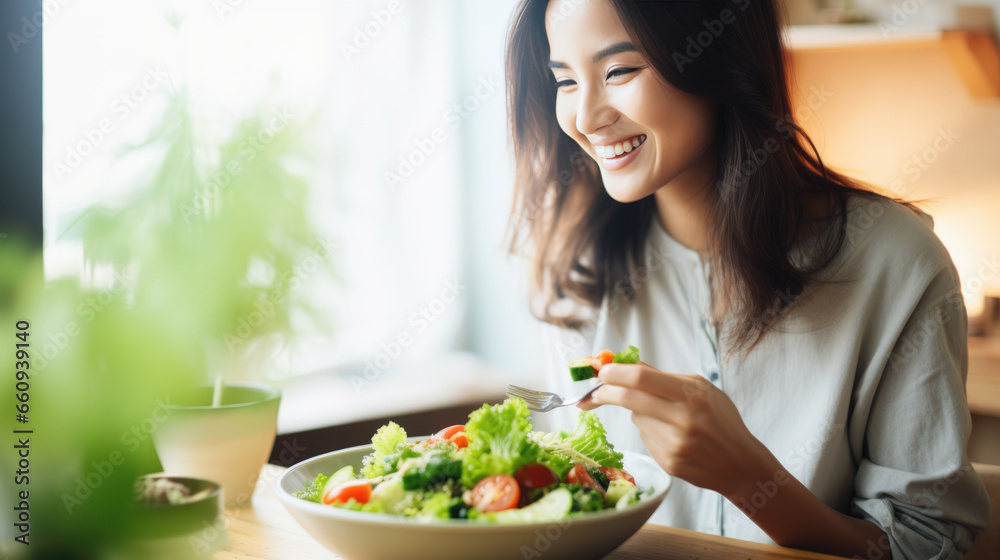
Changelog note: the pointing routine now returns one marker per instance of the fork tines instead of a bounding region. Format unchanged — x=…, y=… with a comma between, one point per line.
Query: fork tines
x=528, y=395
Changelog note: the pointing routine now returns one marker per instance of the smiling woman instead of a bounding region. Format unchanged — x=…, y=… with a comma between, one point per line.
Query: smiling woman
x=803, y=336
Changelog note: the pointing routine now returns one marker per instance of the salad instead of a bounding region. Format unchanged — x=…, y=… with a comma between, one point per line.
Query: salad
x=493, y=468
x=586, y=368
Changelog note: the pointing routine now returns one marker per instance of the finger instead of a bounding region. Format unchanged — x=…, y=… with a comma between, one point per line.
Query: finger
x=588, y=403
x=673, y=386
x=649, y=427
x=639, y=402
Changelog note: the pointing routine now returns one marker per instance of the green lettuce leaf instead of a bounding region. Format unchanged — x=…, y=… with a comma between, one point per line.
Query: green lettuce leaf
x=438, y=505
x=588, y=444
x=558, y=461
x=591, y=440
x=629, y=355
x=387, y=441
x=499, y=441
x=314, y=489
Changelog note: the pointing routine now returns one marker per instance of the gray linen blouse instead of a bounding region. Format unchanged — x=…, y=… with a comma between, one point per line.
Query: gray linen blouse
x=859, y=390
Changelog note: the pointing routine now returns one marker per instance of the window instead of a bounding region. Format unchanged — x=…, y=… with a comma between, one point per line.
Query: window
x=402, y=105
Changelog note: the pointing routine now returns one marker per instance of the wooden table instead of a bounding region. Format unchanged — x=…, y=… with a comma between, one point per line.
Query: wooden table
x=266, y=531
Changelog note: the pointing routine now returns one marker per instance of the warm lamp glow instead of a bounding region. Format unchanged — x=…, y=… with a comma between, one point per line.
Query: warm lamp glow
x=973, y=247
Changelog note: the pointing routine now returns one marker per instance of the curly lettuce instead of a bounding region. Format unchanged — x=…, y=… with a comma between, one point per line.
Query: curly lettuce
x=438, y=505
x=629, y=355
x=588, y=444
x=313, y=491
x=387, y=441
x=499, y=441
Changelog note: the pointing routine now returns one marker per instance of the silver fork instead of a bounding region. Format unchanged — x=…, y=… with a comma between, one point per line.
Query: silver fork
x=543, y=401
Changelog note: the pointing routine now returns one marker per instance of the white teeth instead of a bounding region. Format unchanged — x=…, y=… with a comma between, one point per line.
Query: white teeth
x=619, y=148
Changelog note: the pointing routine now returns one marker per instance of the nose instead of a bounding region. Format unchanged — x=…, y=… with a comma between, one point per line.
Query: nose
x=593, y=111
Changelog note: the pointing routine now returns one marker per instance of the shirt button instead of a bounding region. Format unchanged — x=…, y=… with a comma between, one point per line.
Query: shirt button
x=714, y=376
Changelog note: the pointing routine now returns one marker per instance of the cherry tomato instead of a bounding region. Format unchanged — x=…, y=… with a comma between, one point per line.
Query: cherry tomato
x=454, y=434
x=605, y=356
x=617, y=474
x=450, y=431
x=460, y=440
x=496, y=493
x=534, y=475
x=579, y=475
x=360, y=490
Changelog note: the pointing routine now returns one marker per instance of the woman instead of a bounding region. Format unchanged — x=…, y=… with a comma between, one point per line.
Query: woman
x=804, y=339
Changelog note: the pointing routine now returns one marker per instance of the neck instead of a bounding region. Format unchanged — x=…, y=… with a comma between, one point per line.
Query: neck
x=684, y=205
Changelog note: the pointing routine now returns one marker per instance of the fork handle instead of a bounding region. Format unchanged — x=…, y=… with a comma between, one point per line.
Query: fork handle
x=585, y=395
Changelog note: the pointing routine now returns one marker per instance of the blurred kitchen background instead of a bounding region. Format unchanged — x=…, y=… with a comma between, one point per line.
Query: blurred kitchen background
x=399, y=112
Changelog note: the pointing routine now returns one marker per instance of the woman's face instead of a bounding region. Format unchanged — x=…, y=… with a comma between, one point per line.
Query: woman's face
x=644, y=133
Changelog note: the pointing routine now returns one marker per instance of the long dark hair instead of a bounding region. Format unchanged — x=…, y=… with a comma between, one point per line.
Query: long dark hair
x=768, y=174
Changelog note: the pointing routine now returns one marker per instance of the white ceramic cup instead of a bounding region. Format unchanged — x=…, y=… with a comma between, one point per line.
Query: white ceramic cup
x=227, y=444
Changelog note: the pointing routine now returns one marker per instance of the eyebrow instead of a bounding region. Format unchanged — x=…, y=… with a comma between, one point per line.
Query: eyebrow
x=624, y=46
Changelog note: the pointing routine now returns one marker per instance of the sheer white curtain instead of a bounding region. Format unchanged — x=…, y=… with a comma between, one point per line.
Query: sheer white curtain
x=407, y=164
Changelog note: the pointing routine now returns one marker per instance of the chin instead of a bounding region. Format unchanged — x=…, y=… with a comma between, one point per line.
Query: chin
x=626, y=192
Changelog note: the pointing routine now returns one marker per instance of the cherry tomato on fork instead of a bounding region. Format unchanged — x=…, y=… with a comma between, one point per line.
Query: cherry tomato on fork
x=603, y=358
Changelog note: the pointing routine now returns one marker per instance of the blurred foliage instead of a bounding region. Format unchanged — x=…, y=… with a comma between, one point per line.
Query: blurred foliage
x=217, y=240
x=205, y=243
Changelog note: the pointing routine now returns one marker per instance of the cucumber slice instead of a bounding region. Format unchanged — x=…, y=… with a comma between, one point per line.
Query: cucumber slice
x=336, y=479
x=582, y=369
x=551, y=507
x=617, y=490
x=628, y=499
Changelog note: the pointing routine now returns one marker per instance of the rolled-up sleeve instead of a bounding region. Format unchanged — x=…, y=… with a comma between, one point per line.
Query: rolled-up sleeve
x=914, y=480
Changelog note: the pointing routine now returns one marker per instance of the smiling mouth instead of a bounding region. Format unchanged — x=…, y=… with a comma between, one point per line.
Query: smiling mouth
x=619, y=149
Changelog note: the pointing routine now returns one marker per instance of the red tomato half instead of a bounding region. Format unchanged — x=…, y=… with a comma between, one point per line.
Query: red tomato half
x=450, y=431
x=617, y=474
x=460, y=440
x=534, y=475
x=496, y=493
x=360, y=490
x=579, y=475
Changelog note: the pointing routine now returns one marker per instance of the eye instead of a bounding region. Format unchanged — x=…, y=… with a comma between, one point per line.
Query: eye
x=621, y=71
x=564, y=83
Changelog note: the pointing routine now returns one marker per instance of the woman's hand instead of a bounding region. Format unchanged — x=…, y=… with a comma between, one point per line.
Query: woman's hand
x=691, y=428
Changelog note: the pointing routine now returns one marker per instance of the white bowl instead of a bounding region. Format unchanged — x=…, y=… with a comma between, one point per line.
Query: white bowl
x=356, y=535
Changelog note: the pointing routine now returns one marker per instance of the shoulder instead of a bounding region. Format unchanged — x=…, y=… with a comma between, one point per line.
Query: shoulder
x=892, y=260
x=889, y=239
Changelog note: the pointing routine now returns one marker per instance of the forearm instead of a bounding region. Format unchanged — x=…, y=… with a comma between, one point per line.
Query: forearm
x=793, y=516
